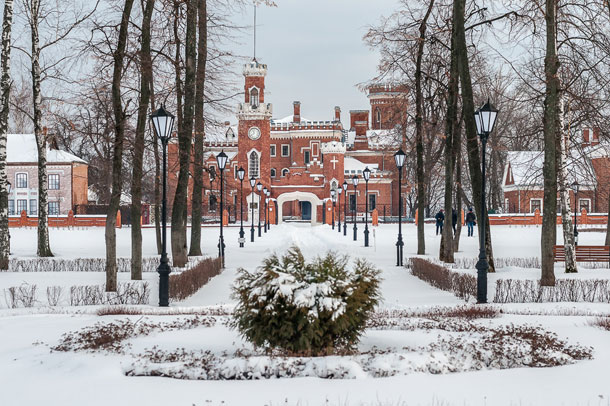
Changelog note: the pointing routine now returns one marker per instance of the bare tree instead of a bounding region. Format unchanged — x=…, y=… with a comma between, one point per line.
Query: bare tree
x=136, y=181
x=117, y=161
x=5, y=90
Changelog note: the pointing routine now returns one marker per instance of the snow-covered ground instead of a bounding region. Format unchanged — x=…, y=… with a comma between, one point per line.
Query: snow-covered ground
x=32, y=375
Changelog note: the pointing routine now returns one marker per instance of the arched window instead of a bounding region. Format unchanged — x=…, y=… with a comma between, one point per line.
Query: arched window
x=333, y=185
x=273, y=172
x=254, y=97
x=253, y=165
x=378, y=116
x=285, y=172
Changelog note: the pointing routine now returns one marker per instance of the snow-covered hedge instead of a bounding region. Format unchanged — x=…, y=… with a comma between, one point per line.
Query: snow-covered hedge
x=149, y=264
x=565, y=290
x=305, y=308
x=462, y=285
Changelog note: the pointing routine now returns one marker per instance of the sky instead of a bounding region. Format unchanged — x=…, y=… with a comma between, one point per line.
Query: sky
x=314, y=53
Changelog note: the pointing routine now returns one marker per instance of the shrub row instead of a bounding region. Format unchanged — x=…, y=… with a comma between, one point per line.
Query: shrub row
x=527, y=262
x=565, y=290
x=185, y=284
x=462, y=285
x=149, y=264
x=127, y=293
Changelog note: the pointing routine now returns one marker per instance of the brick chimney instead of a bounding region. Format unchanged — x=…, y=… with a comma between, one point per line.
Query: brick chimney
x=337, y=113
x=585, y=137
x=296, y=115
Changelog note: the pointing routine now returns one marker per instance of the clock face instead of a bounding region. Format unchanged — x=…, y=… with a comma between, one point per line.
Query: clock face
x=254, y=133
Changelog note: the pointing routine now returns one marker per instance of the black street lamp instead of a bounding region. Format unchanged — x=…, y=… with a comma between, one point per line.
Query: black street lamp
x=267, y=211
x=344, y=208
x=339, y=191
x=355, y=183
x=575, y=189
x=400, y=158
x=366, y=173
x=259, y=187
x=266, y=199
x=240, y=174
x=163, y=122
x=485, y=118
x=252, y=184
x=333, y=195
x=221, y=159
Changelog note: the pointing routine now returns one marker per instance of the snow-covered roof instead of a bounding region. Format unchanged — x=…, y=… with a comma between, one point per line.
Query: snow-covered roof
x=352, y=166
x=288, y=119
x=526, y=168
x=22, y=148
x=383, y=138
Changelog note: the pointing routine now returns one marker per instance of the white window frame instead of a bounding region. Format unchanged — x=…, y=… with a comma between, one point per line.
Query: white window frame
x=255, y=99
x=272, y=150
x=256, y=174
x=58, y=208
x=26, y=180
x=287, y=149
x=285, y=172
x=20, y=209
x=537, y=200
x=580, y=204
x=273, y=172
x=58, y=181
x=305, y=161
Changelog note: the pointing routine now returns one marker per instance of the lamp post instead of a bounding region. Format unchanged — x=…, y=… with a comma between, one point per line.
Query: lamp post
x=355, y=183
x=575, y=188
x=266, y=200
x=333, y=194
x=485, y=118
x=339, y=191
x=163, y=123
x=252, y=184
x=221, y=159
x=344, y=208
x=259, y=187
x=399, y=157
x=267, y=210
x=240, y=174
x=366, y=173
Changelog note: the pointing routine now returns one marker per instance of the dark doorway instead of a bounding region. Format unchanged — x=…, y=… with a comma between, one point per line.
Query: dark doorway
x=305, y=210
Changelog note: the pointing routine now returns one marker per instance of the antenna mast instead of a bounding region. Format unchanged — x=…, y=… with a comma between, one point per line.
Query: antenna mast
x=255, y=31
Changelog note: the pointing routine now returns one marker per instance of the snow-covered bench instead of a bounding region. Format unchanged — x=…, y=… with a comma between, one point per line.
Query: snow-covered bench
x=584, y=253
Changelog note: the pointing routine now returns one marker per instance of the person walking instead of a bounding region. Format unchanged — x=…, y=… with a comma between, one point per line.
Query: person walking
x=471, y=221
x=440, y=219
x=454, y=219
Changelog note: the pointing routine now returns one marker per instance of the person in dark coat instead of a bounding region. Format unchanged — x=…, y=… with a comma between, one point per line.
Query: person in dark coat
x=470, y=221
x=454, y=219
x=440, y=219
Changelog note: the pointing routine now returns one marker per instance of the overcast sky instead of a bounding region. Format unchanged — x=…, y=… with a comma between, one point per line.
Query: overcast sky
x=314, y=53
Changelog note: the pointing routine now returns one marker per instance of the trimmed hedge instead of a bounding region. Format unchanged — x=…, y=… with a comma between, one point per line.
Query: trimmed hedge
x=565, y=290
x=462, y=285
x=186, y=283
x=149, y=264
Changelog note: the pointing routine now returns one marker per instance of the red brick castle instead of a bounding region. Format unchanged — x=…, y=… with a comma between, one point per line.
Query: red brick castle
x=300, y=160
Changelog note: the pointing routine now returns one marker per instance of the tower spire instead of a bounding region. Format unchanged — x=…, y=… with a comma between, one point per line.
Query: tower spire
x=254, y=31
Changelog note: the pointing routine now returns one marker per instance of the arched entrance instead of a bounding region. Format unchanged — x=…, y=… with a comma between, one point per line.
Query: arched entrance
x=303, y=197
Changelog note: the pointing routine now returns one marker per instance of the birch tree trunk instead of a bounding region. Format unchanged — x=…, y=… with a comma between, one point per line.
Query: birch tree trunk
x=5, y=91
x=185, y=135
x=419, y=135
x=138, y=156
x=564, y=193
x=117, y=157
x=202, y=53
x=44, y=249
x=472, y=142
x=551, y=132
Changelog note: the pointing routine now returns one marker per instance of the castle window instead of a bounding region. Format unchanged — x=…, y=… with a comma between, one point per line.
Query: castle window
x=253, y=165
x=54, y=181
x=212, y=203
x=272, y=150
x=53, y=209
x=378, y=116
x=254, y=98
x=285, y=150
x=21, y=180
x=285, y=172
x=306, y=157
x=372, y=201
x=273, y=172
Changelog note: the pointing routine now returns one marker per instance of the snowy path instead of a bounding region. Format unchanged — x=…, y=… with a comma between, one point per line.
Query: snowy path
x=399, y=287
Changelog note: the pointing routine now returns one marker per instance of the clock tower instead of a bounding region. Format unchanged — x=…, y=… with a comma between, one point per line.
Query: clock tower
x=254, y=129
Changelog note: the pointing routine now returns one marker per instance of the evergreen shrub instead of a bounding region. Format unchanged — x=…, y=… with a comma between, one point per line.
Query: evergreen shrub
x=302, y=308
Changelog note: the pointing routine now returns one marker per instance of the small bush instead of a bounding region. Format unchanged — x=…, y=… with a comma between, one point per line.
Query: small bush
x=565, y=290
x=54, y=294
x=462, y=285
x=127, y=293
x=186, y=283
x=305, y=308
x=20, y=296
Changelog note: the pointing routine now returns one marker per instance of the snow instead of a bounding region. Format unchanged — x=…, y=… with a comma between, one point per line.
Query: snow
x=21, y=148
x=32, y=375
x=353, y=166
